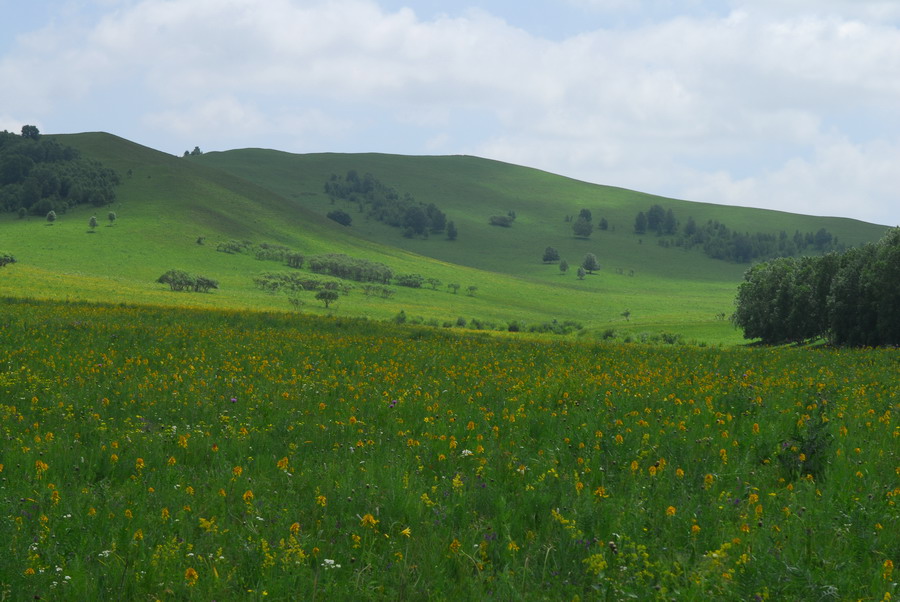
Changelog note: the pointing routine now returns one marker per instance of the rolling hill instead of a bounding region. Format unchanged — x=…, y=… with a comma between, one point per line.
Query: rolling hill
x=168, y=205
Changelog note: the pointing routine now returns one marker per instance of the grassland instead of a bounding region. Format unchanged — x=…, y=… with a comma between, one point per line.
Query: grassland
x=167, y=203
x=180, y=454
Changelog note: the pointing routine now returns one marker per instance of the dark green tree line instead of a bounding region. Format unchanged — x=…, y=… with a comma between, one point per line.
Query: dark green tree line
x=849, y=298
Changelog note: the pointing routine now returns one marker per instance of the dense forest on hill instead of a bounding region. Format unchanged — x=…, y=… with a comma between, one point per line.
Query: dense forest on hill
x=39, y=175
x=385, y=204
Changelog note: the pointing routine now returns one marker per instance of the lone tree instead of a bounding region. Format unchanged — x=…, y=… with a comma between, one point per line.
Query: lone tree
x=581, y=273
x=327, y=297
x=6, y=258
x=51, y=216
x=451, y=231
x=111, y=216
x=453, y=287
x=550, y=255
x=92, y=223
x=471, y=289
x=563, y=266
x=626, y=314
x=590, y=263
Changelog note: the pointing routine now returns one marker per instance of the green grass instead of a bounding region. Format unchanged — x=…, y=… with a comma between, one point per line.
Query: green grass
x=179, y=454
x=166, y=203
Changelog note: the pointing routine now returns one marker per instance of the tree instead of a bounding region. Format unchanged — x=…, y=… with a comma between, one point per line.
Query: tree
x=550, y=255
x=416, y=220
x=590, y=263
x=341, y=217
x=585, y=214
x=640, y=223
x=453, y=287
x=582, y=228
x=30, y=132
x=327, y=297
x=604, y=225
x=451, y=231
x=655, y=217
x=626, y=314
x=471, y=289
x=111, y=216
x=669, y=223
x=92, y=223
x=6, y=259
x=51, y=216
x=581, y=273
x=563, y=266
x=433, y=282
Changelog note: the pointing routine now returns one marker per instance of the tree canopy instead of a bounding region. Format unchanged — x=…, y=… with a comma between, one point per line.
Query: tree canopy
x=39, y=175
x=849, y=298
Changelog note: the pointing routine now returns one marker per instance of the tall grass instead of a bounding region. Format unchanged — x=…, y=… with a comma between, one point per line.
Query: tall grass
x=187, y=454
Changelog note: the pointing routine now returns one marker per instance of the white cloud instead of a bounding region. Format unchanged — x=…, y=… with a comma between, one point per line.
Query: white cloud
x=740, y=102
x=839, y=175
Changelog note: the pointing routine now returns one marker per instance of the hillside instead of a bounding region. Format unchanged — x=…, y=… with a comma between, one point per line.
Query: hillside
x=166, y=205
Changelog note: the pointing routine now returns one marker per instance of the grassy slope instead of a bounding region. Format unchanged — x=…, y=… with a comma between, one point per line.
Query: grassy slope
x=167, y=202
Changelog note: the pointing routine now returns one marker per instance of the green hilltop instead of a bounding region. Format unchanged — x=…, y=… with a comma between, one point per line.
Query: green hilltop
x=167, y=206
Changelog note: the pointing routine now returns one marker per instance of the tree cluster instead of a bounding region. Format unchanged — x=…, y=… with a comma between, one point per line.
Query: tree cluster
x=385, y=204
x=848, y=298
x=179, y=280
x=39, y=175
x=720, y=242
x=351, y=268
x=583, y=226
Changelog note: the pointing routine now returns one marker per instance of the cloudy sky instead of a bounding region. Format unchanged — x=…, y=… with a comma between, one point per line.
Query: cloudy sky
x=788, y=104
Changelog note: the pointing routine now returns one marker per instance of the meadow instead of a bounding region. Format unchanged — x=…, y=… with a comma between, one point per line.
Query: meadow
x=174, y=454
x=166, y=206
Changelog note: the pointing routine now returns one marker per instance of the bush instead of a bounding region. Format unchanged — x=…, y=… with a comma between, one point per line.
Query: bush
x=504, y=221
x=341, y=217
x=410, y=280
x=6, y=258
x=233, y=246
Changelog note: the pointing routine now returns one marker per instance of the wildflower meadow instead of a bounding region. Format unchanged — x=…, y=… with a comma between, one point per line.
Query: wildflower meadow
x=177, y=454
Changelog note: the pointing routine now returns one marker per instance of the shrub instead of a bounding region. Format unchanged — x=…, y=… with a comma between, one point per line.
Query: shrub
x=341, y=217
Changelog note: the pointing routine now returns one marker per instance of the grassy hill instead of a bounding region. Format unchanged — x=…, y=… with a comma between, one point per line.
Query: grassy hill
x=167, y=203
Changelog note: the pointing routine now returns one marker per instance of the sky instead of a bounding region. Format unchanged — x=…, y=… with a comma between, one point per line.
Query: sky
x=780, y=104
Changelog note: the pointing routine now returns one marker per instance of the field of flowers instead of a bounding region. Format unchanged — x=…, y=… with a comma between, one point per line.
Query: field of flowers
x=178, y=454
